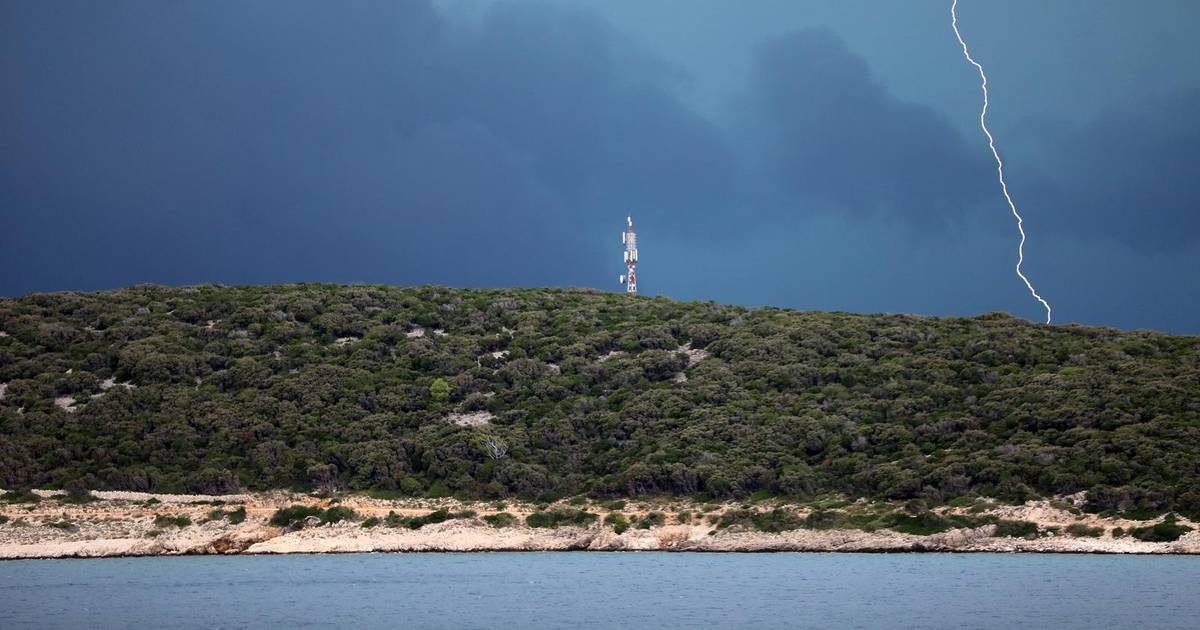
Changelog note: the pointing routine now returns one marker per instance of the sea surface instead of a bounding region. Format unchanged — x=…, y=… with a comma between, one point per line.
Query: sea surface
x=604, y=590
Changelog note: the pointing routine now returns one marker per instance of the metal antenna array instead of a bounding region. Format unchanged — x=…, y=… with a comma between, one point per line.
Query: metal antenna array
x=629, y=239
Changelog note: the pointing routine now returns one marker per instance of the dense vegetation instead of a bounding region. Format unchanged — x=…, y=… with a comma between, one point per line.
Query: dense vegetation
x=549, y=393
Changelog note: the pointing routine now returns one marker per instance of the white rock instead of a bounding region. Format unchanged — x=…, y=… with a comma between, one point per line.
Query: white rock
x=474, y=419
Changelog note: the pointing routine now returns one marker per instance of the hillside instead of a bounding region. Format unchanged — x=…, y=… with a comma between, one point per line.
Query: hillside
x=539, y=394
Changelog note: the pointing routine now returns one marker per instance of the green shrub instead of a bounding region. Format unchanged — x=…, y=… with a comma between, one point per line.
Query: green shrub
x=577, y=501
x=436, y=516
x=560, y=518
x=962, y=501
x=371, y=522
x=338, y=514
x=1141, y=513
x=3, y=519
x=438, y=490
x=761, y=495
x=982, y=505
x=930, y=523
x=823, y=519
x=234, y=517
x=165, y=520
x=77, y=492
x=614, y=506
x=1015, y=529
x=439, y=390
x=618, y=521
x=1118, y=532
x=777, y=520
x=20, y=496
x=1081, y=530
x=297, y=514
x=684, y=517
x=500, y=520
x=836, y=519
x=294, y=515
x=652, y=519
x=1166, y=531
x=417, y=522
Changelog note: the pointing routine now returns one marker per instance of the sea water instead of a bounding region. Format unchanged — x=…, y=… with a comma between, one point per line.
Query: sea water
x=605, y=590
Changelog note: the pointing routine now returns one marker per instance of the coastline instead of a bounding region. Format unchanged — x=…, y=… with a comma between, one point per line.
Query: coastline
x=120, y=524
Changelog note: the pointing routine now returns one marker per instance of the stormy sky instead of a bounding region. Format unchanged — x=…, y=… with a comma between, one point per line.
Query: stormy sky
x=818, y=155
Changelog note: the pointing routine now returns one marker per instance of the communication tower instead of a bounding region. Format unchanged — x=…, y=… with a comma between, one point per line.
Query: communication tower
x=629, y=238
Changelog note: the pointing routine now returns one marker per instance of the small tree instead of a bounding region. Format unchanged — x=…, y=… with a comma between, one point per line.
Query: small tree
x=439, y=390
x=77, y=491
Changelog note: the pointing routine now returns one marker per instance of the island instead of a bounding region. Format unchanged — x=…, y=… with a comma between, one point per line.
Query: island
x=340, y=418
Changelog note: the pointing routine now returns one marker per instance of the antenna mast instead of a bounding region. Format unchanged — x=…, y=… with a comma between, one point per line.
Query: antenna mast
x=629, y=238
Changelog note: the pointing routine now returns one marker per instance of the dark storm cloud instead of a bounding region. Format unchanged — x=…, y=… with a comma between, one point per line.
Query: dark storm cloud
x=392, y=141
x=1128, y=175
x=368, y=141
x=838, y=138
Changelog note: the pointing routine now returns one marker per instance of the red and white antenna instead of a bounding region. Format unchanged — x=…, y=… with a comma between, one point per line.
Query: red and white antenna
x=629, y=238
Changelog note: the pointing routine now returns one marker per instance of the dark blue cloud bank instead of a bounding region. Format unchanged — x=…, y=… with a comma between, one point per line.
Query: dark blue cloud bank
x=388, y=142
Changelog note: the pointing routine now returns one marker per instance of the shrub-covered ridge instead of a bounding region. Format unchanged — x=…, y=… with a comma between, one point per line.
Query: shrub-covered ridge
x=547, y=393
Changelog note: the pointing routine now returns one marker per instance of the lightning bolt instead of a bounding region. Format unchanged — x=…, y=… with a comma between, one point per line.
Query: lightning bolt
x=999, y=163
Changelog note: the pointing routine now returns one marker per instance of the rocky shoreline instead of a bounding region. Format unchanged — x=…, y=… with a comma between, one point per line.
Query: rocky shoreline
x=135, y=524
